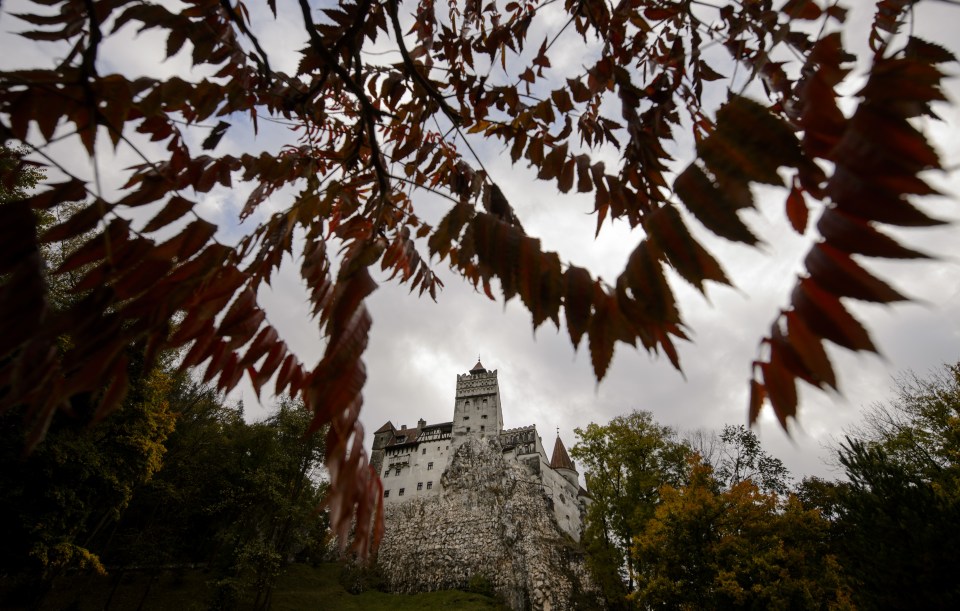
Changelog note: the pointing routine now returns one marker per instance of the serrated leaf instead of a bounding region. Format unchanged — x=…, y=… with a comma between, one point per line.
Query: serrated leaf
x=810, y=350
x=715, y=207
x=781, y=389
x=577, y=300
x=854, y=235
x=644, y=275
x=919, y=49
x=834, y=271
x=173, y=210
x=825, y=316
x=79, y=223
x=601, y=336
x=668, y=231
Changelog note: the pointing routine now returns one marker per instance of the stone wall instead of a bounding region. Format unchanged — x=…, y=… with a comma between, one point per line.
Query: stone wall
x=491, y=520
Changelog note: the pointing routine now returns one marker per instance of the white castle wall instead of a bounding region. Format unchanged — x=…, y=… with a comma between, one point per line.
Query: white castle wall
x=413, y=469
x=490, y=520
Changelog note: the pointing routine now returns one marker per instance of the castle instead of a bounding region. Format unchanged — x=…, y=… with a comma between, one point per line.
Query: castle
x=411, y=461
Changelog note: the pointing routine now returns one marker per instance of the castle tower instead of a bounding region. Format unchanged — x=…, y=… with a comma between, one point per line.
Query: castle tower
x=476, y=409
x=562, y=464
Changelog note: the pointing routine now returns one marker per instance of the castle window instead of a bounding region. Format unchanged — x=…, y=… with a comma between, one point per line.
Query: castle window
x=484, y=402
x=483, y=428
x=466, y=403
x=424, y=451
x=483, y=417
x=468, y=429
x=419, y=485
x=386, y=493
x=398, y=471
x=429, y=466
x=386, y=473
x=429, y=485
x=400, y=493
x=466, y=417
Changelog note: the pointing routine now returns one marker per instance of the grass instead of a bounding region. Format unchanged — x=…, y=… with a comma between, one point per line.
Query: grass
x=300, y=587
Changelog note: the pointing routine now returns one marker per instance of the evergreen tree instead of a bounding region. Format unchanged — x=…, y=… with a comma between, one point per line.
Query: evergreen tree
x=897, y=518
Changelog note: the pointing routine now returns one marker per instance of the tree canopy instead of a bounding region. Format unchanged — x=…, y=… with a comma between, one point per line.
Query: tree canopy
x=383, y=106
x=627, y=461
x=738, y=548
x=895, y=518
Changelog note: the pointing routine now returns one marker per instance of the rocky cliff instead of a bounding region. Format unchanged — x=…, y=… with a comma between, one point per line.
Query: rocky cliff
x=490, y=523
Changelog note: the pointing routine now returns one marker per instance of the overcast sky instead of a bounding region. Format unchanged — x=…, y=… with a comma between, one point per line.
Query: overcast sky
x=418, y=347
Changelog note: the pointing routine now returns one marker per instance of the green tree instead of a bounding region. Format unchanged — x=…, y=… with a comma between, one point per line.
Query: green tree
x=735, y=548
x=240, y=498
x=374, y=132
x=19, y=177
x=739, y=456
x=60, y=496
x=897, y=516
x=626, y=462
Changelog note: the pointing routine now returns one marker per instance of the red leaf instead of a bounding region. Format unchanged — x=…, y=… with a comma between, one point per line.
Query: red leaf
x=578, y=297
x=781, y=389
x=71, y=191
x=259, y=346
x=802, y=9
x=601, y=335
x=855, y=235
x=692, y=261
x=175, y=208
x=810, y=350
x=715, y=207
x=644, y=276
x=757, y=394
x=834, y=271
x=823, y=313
x=79, y=223
x=194, y=237
x=797, y=210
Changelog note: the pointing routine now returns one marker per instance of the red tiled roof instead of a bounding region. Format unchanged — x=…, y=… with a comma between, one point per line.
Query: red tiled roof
x=386, y=427
x=561, y=460
x=478, y=368
x=411, y=435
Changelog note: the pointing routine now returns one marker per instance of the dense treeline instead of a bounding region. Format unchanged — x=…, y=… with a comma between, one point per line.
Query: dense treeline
x=175, y=478
x=707, y=520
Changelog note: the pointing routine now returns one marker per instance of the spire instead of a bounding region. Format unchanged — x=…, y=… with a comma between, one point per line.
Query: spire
x=478, y=368
x=561, y=460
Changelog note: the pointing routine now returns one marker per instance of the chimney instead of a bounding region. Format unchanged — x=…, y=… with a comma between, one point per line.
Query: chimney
x=403, y=427
x=421, y=423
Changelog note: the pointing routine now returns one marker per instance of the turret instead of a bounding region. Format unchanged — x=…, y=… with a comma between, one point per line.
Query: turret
x=381, y=438
x=562, y=464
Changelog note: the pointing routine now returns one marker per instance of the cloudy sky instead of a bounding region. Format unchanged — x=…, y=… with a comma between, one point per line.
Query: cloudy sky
x=418, y=347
